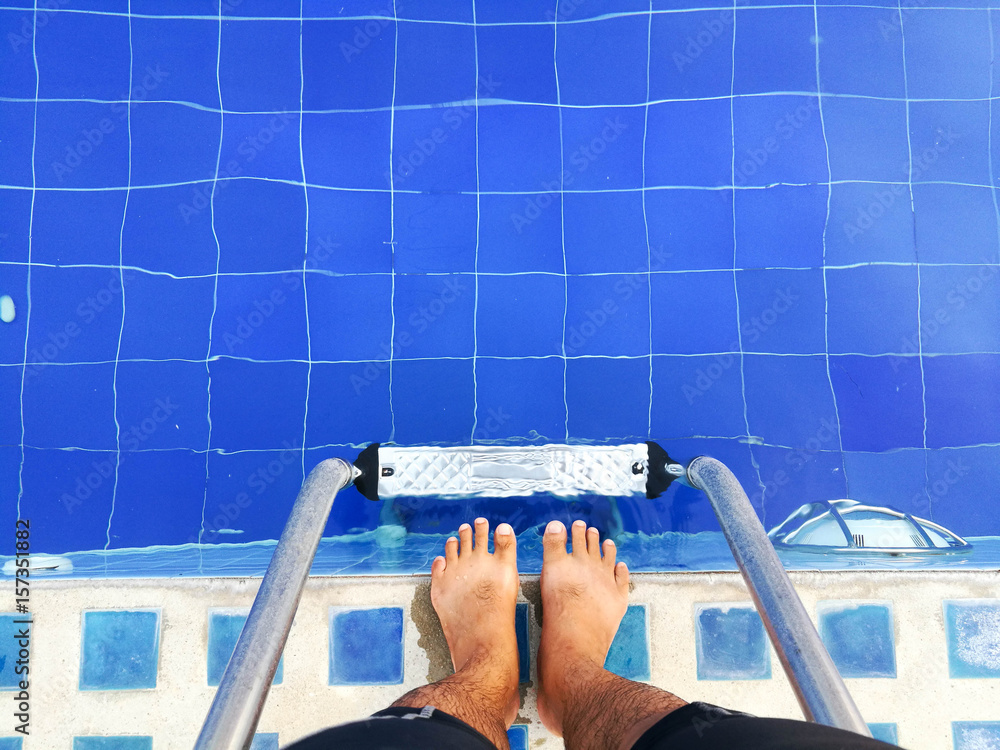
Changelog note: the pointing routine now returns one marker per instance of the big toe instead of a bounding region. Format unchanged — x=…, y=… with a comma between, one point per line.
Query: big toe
x=553, y=541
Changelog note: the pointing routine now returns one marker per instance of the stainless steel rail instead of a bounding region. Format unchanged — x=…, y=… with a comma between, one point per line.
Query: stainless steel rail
x=814, y=678
x=233, y=717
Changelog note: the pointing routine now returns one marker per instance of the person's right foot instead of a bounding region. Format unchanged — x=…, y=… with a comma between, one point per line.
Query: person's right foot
x=584, y=597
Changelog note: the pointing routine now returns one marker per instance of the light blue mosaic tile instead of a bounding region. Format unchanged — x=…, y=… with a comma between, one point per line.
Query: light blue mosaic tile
x=9, y=648
x=523, y=644
x=517, y=736
x=730, y=643
x=859, y=637
x=366, y=646
x=973, y=631
x=629, y=653
x=885, y=731
x=113, y=743
x=976, y=735
x=120, y=650
x=265, y=741
x=224, y=630
x=10, y=743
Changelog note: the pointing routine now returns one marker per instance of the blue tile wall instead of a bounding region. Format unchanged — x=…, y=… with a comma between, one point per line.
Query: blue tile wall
x=517, y=736
x=120, y=650
x=629, y=653
x=353, y=661
x=619, y=208
x=973, y=631
x=224, y=630
x=113, y=743
x=972, y=735
x=10, y=743
x=730, y=643
x=265, y=741
x=859, y=637
x=9, y=649
x=885, y=731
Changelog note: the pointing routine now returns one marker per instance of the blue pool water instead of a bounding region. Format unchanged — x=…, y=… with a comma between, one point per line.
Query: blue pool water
x=240, y=238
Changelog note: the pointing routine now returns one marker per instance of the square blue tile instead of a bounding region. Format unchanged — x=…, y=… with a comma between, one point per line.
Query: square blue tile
x=691, y=54
x=162, y=405
x=14, y=221
x=508, y=161
x=858, y=296
x=435, y=233
x=350, y=231
x=957, y=482
x=166, y=317
x=10, y=743
x=947, y=139
x=15, y=149
x=885, y=732
x=789, y=400
x=973, y=735
x=628, y=656
x=348, y=403
x=605, y=233
x=778, y=139
x=963, y=403
x=347, y=149
x=955, y=224
x=859, y=637
x=83, y=56
x=436, y=63
x=520, y=315
x=159, y=498
x=690, y=229
x=124, y=742
x=782, y=311
x=79, y=145
x=774, y=51
x=602, y=148
x=731, y=643
x=959, y=310
x=77, y=226
x=260, y=316
x=520, y=233
x=259, y=66
x=869, y=222
x=852, y=34
x=521, y=615
x=938, y=69
x=259, y=145
x=224, y=628
x=607, y=315
x=867, y=139
x=523, y=397
x=434, y=316
x=175, y=143
x=434, y=149
x=257, y=405
x=705, y=394
x=260, y=225
x=519, y=59
x=972, y=628
x=70, y=406
x=120, y=650
x=694, y=313
x=185, y=50
x=895, y=478
x=689, y=143
x=608, y=399
x=517, y=736
x=265, y=740
x=347, y=75
x=603, y=62
x=160, y=220
x=9, y=630
x=353, y=660
x=433, y=401
x=16, y=60
x=359, y=303
x=780, y=226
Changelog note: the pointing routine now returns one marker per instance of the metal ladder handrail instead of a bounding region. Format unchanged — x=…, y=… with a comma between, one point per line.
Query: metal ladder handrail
x=238, y=703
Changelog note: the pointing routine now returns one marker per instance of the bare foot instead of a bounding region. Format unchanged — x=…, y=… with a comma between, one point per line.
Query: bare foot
x=474, y=594
x=584, y=597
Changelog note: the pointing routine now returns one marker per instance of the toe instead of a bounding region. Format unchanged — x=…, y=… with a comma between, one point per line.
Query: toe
x=554, y=541
x=465, y=535
x=482, y=535
x=610, y=552
x=579, y=539
x=451, y=550
x=621, y=578
x=437, y=567
x=594, y=543
x=505, y=543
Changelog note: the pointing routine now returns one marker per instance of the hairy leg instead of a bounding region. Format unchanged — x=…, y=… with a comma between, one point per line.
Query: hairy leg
x=474, y=594
x=584, y=597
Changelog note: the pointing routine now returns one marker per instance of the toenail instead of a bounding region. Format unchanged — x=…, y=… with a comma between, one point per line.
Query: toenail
x=504, y=529
x=480, y=520
x=554, y=527
x=579, y=523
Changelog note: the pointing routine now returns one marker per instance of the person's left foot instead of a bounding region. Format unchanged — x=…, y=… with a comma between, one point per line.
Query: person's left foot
x=474, y=594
